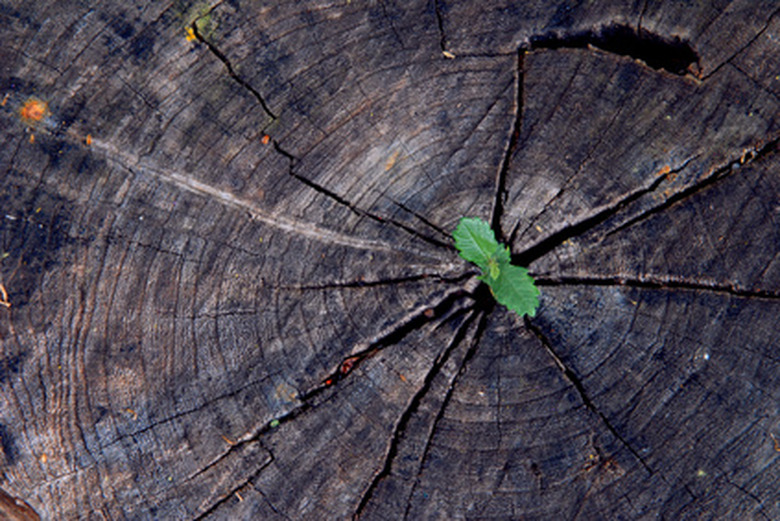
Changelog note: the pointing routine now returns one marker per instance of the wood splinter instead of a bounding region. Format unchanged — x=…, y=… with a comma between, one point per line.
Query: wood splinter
x=4, y=296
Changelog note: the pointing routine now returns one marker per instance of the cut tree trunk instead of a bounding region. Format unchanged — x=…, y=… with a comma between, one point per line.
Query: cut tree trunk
x=229, y=289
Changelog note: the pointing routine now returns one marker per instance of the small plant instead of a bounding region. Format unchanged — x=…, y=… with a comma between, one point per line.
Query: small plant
x=511, y=285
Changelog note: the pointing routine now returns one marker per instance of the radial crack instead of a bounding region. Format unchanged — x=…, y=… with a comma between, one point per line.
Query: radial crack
x=717, y=174
x=411, y=408
x=568, y=181
x=352, y=207
x=499, y=197
x=440, y=23
x=661, y=283
x=745, y=46
x=577, y=384
x=472, y=350
x=231, y=71
x=392, y=335
x=362, y=283
x=213, y=508
x=422, y=219
x=554, y=240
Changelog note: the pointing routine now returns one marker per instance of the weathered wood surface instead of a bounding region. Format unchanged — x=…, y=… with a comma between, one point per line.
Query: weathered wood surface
x=206, y=322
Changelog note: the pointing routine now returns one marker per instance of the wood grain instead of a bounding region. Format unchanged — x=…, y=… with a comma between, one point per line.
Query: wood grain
x=232, y=291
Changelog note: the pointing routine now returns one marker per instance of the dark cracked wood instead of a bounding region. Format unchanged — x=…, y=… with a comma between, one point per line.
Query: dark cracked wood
x=229, y=289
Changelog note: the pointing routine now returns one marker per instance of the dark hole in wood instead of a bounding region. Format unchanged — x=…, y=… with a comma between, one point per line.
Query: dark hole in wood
x=671, y=54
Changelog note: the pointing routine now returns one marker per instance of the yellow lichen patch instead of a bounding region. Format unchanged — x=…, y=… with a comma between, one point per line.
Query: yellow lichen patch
x=34, y=110
x=200, y=15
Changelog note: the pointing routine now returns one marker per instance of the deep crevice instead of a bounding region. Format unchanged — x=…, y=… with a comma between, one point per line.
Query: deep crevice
x=231, y=71
x=577, y=384
x=440, y=23
x=217, y=504
x=486, y=308
x=358, y=211
x=573, y=230
x=393, y=335
x=379, y=282
x=671, y=54
x=499, y=197
x=412, y=407
x=717, y=174
x=423, y=219
x=656, y=283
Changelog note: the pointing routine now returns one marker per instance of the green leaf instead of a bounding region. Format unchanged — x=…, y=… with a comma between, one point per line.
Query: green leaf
x=511, y=285
x=515, y=289
x=475, y=241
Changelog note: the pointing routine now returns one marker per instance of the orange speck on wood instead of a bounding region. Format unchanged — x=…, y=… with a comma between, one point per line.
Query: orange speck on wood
x=392, y=160
x=665, y=170
x=34, y=110
x=4, y=297
x=265, y=139
x=5, y=100
x=88, y=139
x=32, y=138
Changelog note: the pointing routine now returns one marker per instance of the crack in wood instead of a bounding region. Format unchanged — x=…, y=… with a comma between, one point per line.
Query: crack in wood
x=411, y=408
x=270, y=505
x=552, y=241
x=568, y=181
x=500, y=194
x=187, y=412
x=437, y=8
x=575, y=381
x=362, y=283
x=659, y=283
x=422, y=219
x=759, y=502
x=470, y=352
x=671, y=54
x=231, y=71
x=392, y=335
x=317, y=187
x=443, y=310
x=747, y=157
x=744, y=47
x=217, y=504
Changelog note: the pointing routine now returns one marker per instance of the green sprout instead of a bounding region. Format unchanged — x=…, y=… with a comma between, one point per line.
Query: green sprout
x=511, y=285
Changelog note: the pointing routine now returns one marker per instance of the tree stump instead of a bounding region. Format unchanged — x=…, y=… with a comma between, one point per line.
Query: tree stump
x=229, y=289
